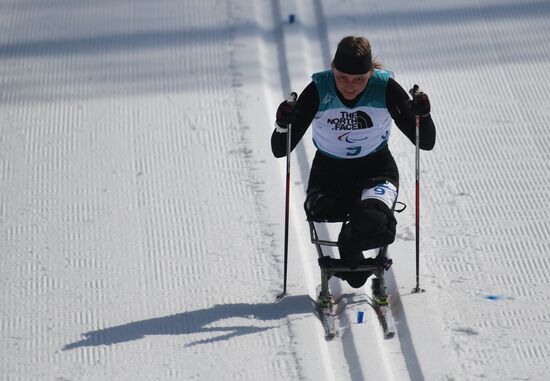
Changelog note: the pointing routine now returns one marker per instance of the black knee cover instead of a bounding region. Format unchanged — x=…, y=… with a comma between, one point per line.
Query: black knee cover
x=373, y=224
x=372, y=216
x=322, y=207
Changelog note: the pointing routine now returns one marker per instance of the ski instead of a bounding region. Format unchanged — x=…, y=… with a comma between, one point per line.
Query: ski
x=386, y=319
x=325, y=305
x=381, y=304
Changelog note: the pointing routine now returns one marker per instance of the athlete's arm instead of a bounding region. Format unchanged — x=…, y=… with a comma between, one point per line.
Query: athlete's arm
x=397, y=102
x=307, y=105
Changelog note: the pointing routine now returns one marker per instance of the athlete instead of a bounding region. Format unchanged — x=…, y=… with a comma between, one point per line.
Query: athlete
x=353, y=175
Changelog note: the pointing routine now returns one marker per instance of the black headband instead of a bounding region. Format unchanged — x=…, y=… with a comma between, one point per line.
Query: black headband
x=352, y=64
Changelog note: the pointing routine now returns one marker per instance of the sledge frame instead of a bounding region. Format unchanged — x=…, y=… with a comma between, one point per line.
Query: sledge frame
x=378, y=266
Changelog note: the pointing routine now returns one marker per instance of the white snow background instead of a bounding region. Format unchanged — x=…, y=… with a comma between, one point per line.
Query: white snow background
x=142, y=212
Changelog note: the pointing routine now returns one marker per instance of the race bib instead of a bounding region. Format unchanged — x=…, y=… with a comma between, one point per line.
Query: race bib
x=385, y=192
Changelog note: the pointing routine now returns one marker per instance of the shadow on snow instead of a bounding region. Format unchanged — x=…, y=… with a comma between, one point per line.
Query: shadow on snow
x=201, y=321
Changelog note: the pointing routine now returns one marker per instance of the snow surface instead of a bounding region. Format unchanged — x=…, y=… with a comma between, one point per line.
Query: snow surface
x=141, y=210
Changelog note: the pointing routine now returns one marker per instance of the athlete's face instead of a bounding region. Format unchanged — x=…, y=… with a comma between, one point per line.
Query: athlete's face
x=350, y=85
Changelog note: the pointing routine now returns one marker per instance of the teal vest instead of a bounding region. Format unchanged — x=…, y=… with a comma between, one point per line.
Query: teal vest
x=346, y=133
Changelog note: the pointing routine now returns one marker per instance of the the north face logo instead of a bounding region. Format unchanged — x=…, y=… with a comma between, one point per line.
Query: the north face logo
x=357, y=120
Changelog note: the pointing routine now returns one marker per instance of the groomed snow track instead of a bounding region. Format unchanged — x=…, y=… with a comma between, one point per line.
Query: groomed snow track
x=141, y=210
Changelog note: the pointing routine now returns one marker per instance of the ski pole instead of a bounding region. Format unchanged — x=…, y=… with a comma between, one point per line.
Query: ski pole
x=414, y=91
x=291, y=99
x=417, y=203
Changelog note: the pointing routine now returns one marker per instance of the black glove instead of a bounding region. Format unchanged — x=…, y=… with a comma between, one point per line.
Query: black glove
x=286, y=112
x=420, y=102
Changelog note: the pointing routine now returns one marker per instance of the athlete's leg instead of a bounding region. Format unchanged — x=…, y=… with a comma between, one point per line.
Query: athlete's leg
x=371, y=225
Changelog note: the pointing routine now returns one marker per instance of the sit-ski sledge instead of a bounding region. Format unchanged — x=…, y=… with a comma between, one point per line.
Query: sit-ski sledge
x=378, y=265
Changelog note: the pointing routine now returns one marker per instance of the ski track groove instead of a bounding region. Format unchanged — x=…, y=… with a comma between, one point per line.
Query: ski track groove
x=292, y=45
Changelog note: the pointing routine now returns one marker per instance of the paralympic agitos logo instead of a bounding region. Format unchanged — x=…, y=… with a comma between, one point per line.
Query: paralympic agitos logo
x=347, y=121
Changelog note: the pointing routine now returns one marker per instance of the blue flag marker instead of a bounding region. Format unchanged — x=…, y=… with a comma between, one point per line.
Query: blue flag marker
x=492, y=297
